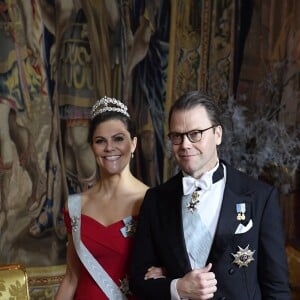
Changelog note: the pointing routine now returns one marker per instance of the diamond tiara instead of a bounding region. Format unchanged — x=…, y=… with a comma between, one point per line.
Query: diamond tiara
x=106, y=104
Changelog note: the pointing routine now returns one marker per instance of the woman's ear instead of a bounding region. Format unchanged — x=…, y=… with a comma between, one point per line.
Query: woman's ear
x=133, y=143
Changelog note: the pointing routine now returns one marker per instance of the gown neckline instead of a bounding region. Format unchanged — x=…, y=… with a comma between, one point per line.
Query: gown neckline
x=109, y=225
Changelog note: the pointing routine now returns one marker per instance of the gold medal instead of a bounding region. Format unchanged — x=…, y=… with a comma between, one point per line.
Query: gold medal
x=243, y=257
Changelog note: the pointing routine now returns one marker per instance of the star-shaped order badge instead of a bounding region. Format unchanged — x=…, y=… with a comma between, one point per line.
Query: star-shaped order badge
x=243, y=257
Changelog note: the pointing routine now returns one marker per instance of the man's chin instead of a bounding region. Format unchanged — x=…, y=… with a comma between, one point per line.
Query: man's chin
x=187, y=169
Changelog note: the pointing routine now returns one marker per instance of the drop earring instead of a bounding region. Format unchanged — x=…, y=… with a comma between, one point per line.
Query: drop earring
x=132, y=155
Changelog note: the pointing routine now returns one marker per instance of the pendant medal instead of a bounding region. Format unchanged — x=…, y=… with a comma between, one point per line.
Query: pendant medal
x=192, y=205
x=241, y=210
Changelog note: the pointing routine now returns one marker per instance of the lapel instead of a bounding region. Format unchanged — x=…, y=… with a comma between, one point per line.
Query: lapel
x=171, y=221
x=228, y=222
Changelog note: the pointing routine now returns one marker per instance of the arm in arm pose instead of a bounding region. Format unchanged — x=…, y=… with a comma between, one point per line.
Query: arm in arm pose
x=196, y=284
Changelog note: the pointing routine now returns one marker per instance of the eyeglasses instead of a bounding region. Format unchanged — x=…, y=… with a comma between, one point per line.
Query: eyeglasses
x=194, y=136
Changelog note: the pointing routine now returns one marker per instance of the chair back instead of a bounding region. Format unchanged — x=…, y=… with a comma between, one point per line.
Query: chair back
x=13, y=282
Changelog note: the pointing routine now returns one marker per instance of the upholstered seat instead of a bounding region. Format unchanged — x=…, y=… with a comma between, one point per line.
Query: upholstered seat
x=13, y=282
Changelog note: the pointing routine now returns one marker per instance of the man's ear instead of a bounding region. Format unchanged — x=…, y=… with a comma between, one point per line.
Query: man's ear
x=218, y=134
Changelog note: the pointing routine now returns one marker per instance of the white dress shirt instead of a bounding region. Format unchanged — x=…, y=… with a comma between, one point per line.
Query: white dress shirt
x=209, y=210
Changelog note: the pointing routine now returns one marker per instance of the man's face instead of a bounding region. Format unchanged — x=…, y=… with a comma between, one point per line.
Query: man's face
x=195, y=158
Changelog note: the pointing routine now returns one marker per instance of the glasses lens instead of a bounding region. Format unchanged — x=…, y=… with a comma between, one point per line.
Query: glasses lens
x=195, y=136
x=176, y=138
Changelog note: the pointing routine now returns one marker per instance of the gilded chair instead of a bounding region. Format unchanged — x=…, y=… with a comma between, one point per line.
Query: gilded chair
x=13, y=282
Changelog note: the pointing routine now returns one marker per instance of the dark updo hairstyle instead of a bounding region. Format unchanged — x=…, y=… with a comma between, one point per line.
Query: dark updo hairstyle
x=110, y=115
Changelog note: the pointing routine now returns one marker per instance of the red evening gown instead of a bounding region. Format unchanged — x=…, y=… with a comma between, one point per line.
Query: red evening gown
x=110, y=248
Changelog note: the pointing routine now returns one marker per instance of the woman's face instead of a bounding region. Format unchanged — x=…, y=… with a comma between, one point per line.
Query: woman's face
x=112, y=146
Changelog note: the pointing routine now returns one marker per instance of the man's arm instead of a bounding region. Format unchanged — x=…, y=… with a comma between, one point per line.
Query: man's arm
x=272, y=268
x=144, y=255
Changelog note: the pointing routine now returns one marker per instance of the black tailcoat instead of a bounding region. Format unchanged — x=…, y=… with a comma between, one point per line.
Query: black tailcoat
x=159, y=241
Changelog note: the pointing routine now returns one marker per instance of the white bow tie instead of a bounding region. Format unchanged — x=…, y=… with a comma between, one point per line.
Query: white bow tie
x=190, y=184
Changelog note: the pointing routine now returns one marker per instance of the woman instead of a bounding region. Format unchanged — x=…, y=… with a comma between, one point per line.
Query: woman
x=101, y=221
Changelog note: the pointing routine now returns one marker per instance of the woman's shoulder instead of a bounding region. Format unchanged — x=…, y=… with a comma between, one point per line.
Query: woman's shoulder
x=141, y=191
x=135, y=194
x=138, y=186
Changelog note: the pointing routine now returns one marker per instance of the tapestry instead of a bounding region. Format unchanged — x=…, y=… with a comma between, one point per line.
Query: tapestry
x=145, y=52
x=58, y=57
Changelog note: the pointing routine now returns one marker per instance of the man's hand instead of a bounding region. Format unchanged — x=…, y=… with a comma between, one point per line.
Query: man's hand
x=198, y=284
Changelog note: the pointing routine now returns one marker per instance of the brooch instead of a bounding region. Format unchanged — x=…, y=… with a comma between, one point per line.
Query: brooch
x=192, y=205
x=243, y=257
x=74, y=223
x=241, y=210
x=130, y=227
x=124, y=286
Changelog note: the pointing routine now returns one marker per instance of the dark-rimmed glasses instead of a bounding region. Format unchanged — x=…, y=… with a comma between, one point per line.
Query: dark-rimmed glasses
x=193, y=136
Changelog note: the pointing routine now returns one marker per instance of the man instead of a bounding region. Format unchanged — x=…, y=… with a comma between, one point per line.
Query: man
x=220, y=237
